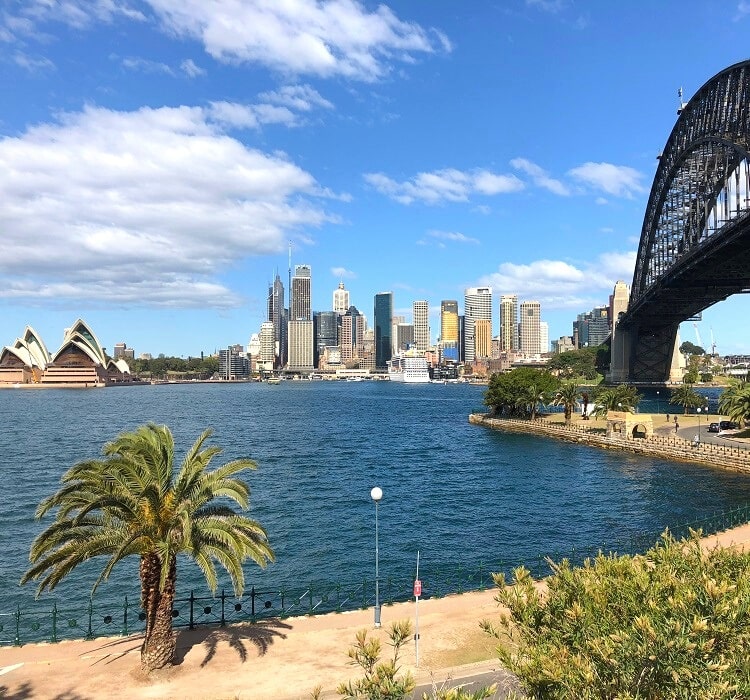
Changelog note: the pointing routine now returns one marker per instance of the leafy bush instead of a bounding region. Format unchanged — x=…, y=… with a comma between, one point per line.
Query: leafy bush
x=672, y=623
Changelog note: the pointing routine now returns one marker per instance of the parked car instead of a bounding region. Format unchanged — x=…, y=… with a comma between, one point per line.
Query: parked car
x=727, y=425
x=713, y=428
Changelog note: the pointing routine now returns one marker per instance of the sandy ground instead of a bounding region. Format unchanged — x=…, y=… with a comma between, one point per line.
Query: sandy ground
x=275, y=659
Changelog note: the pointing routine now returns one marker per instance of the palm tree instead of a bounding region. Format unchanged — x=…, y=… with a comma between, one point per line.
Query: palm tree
x=620, y=398
x=134, y=502
x=734, y=402
x=567, y=397
x=687, y=397
x=529, y=399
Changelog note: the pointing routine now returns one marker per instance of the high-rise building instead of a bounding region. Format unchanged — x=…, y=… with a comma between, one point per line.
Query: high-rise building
x=509, y=323
x=404, y=337
x=277, y=315
x=340, y=299
x=449, y=329
x=593, y=327
x=325, y=325
x=352, y=334
x=477, y=306
x=482, y=339
x=421, y=311
x=300, y=321
x=233, y=363
x=529, y=331
x=383, y=315
x=543, y=337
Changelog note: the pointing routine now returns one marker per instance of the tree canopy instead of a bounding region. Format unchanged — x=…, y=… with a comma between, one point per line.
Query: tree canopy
x=688, y=348
x=671, y=623
x=521, y=391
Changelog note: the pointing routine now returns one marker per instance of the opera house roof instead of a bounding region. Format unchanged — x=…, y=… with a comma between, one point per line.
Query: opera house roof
x=28, y=360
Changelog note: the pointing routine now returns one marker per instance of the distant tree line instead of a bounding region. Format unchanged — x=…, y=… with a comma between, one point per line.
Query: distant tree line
x=163, y=367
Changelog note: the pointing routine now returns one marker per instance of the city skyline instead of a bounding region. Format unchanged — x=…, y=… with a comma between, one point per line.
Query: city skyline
x=161, y=168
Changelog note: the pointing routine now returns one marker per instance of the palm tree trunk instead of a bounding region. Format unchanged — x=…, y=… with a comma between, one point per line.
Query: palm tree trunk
x=159, y=641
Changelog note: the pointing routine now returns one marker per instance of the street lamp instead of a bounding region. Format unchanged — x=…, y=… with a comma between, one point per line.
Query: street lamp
x=376, y=494
x=658, y=405
x=698, y=436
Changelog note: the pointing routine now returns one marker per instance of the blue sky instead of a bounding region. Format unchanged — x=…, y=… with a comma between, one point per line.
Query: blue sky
x=158, y=156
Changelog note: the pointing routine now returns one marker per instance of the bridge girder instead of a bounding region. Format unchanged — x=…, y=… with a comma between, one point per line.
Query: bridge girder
x=695, y=242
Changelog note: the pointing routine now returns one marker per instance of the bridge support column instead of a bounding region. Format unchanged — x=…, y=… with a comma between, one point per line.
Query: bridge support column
x=619, y=365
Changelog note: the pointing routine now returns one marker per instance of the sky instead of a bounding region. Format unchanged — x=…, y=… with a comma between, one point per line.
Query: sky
x=158, y=158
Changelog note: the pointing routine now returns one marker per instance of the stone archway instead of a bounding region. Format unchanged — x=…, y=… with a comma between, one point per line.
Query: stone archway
x=625, y=425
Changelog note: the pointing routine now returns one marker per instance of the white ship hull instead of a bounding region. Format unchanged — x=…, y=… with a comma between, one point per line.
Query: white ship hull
x=409, y=370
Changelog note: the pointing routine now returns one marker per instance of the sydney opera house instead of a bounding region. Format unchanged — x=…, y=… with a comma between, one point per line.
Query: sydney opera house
x=80, y=361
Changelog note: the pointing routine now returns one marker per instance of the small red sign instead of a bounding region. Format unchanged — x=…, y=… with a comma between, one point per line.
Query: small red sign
x=417, y=588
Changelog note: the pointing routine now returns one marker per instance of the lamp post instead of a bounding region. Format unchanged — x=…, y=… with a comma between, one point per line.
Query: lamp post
x=698, y=411
x=658, y=405
x=376, y=494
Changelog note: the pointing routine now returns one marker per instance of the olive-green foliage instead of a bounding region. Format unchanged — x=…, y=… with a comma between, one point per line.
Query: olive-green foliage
x=575, y=363
x=672, y=623
x=381, y=679
x=521, y=391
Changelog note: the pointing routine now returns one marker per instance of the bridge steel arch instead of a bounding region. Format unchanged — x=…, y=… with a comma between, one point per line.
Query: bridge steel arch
x=695, y=242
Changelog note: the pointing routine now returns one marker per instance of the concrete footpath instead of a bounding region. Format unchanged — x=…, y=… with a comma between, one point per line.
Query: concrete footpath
x=270, y=660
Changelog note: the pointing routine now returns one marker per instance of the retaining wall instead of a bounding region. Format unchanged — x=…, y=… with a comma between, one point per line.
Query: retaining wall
x=724, y=457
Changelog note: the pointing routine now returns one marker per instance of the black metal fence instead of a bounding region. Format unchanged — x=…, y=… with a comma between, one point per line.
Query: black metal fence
x=66, y=620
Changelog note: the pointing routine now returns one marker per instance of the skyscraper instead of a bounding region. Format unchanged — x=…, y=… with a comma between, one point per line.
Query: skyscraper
x=421, y=326
x=509, y=323
x=530, y=333
x=300, y=321
x=325, y=324
x=340, y=299
x=278, y=316
x=352, y=334
x=449, y=329
x=482, y=339
x=477, y=306
x=383, y=315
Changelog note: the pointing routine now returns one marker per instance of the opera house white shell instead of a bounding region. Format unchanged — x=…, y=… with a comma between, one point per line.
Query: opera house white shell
x=80, y=361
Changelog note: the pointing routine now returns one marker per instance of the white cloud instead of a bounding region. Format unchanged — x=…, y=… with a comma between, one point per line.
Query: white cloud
x=552, y=6
x=449, y=185
x=540, y=177
x=438, y=237
x=558, y=284
x=743, y=10
x=143, y=65
x=317, y=37
x=615, y=180
x=191, y=69
x=342, y=273
x=32, y=64
x=301, y=98
x=142, y=207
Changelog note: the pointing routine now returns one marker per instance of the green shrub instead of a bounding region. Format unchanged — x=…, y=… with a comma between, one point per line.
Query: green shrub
x=672, y=623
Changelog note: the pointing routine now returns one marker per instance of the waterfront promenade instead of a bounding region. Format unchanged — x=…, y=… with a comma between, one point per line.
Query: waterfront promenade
x=274, y=659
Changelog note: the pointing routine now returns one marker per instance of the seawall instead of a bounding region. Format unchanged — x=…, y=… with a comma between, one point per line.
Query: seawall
x=675, y=448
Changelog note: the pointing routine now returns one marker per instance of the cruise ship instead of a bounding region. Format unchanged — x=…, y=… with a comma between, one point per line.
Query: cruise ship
x=408, y=368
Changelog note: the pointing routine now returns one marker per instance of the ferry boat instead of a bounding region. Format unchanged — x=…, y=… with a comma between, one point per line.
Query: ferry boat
x=408, y=368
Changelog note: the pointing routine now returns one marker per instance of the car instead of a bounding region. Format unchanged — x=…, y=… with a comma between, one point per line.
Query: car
x=713, y=428
x=727, y=425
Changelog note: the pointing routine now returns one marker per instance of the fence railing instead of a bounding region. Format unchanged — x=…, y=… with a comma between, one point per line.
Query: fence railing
x=67, y=620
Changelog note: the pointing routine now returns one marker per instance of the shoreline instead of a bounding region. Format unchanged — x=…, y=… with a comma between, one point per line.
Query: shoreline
x=661, y=444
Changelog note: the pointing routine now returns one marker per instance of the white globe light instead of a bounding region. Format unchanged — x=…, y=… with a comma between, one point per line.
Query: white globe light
x=376, y=494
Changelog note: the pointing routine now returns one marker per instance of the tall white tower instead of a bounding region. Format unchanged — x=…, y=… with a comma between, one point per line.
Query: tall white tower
x=477, y=306
x=530, y=332
x=341, y=299
x=300, y=320
x=509, y=322
x=421, y=314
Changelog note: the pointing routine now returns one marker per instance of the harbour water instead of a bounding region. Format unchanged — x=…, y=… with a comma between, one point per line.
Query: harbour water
x=459, y=494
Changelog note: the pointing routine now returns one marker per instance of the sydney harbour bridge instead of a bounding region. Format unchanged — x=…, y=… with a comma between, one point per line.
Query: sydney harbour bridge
x=695, y=243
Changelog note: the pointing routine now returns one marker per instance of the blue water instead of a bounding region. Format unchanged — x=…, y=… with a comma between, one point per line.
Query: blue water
x=459, y=494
